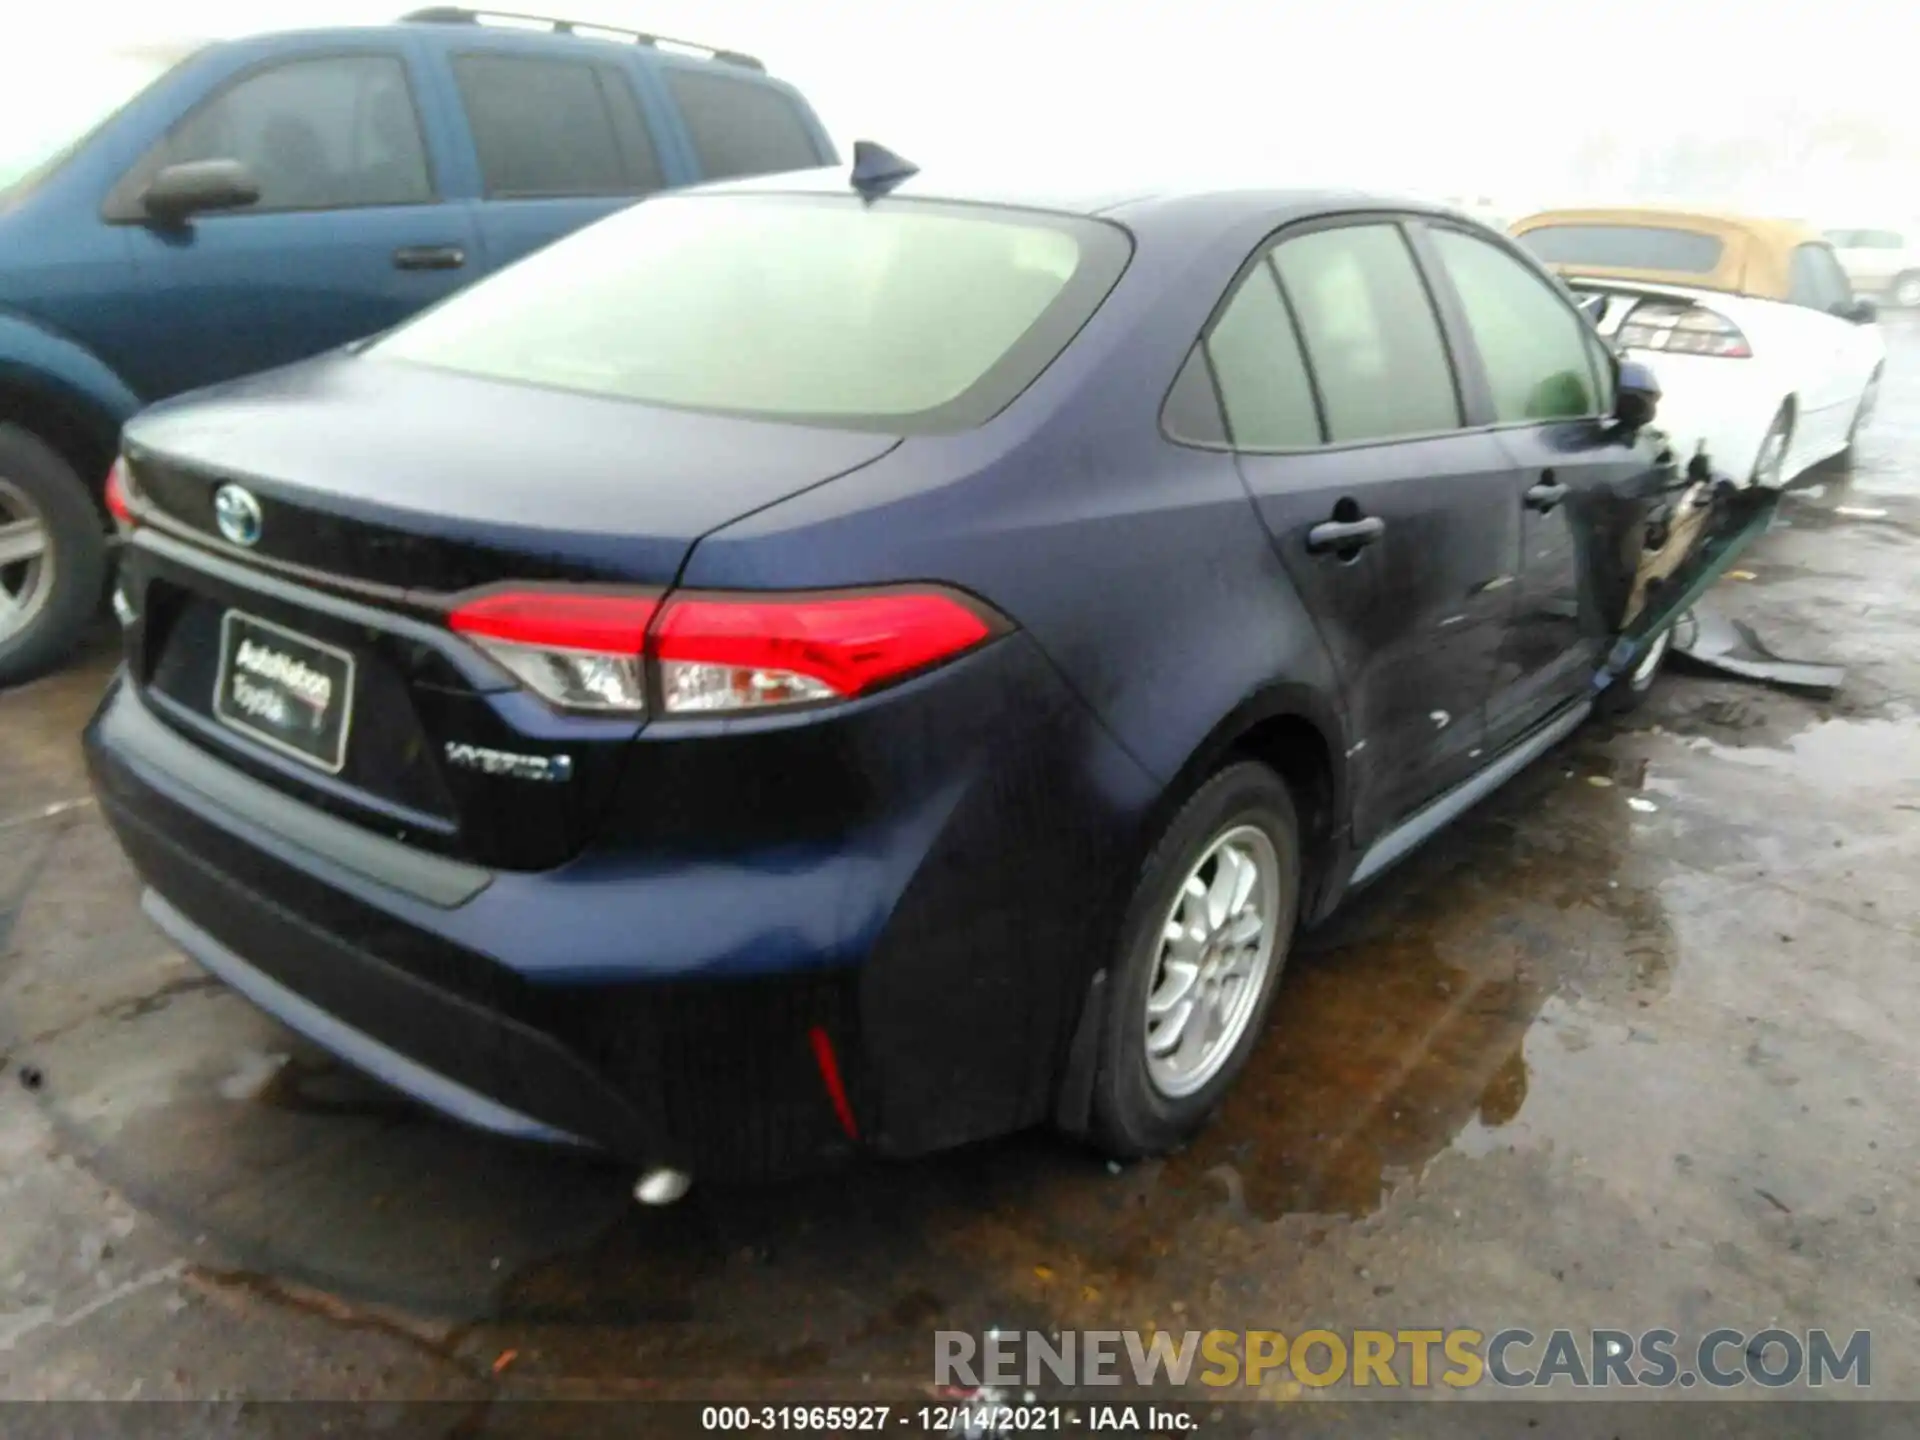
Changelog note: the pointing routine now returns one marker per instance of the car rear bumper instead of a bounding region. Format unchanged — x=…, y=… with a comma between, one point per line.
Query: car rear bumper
x=1725, y=404
x=719, y=1077
x=907, y=984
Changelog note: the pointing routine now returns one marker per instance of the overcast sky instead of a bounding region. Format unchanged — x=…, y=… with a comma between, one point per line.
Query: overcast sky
x=1492, y=96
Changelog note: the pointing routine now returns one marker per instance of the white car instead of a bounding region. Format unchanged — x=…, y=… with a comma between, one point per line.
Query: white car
x=1882, y=262
x=1762, y=350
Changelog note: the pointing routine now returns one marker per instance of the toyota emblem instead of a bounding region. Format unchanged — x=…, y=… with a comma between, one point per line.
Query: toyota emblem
x=237, y=514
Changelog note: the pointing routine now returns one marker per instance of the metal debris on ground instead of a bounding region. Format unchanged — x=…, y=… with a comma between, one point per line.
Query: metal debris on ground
x=1644, y=806
x=1859, y=512
x=1710, y=639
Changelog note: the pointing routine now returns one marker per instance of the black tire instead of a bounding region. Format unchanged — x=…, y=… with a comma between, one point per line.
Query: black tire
x=1131, y=1116
x=75, y=556
x=1783, y=428
x=1903, y=292
x=1862, y=413
x=1630, y=691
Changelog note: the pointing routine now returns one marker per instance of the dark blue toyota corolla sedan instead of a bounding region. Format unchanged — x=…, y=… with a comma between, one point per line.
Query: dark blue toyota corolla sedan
x=792, y=668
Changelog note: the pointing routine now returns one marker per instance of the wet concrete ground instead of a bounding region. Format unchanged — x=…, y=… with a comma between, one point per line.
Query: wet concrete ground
x=1582, y=1062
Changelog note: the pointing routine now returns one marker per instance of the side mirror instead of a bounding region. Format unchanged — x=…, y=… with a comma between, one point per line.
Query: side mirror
x=1637, y=396
x=181, y=191
x=1594, y=307
x=1859, y=310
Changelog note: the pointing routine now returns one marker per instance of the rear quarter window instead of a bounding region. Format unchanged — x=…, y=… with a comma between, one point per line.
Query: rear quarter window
x=740, y=126
x=1626, y=247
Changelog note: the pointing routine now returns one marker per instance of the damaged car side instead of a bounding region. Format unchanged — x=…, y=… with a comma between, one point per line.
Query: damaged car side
x=935, y=676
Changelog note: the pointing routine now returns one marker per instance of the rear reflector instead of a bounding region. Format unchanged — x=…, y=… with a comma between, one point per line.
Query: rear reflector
x=716, y=654
x=721, y=654
x=116, y=494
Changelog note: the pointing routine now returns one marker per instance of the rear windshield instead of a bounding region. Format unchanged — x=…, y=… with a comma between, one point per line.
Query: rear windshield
x=1626, y=247
x=902, y=316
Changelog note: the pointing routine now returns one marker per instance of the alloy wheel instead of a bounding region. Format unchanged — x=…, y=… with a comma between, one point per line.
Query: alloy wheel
x=1216, y=946
x=26, y=561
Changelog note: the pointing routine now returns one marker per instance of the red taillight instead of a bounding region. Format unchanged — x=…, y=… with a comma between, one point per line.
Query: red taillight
x=720, y=653
x=577, y=649
x=714, y=654
x=116, y=494
x=559, y=619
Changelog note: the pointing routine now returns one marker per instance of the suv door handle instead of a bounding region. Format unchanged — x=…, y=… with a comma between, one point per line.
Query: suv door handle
x=1345, y=534
x=429, y=257
x=1544, y=496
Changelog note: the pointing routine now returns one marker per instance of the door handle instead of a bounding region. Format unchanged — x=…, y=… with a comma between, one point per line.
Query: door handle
x=1345, y=534
x=429, y=257
x=1544, y=496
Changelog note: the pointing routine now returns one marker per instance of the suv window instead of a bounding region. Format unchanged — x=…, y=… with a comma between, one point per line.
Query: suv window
x=1370, y=333
x=1531, y=342
x=1881, y=240
x=1815, y=279
x=546, y=128
x=317, y=134
x=740, y=127
x=1262, y=375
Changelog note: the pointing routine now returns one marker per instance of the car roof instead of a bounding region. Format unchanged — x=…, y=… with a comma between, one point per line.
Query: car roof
x=454, y=26
x=1755, y=256
x=1141, y=204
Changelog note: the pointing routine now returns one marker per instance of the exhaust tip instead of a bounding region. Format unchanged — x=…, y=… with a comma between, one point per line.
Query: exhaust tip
x=661, y=1186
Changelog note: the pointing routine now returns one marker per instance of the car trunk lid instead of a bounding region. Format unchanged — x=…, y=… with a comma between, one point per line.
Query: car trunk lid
x=318, y=659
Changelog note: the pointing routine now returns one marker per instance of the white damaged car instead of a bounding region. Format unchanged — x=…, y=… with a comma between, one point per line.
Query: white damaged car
x=1763, y=351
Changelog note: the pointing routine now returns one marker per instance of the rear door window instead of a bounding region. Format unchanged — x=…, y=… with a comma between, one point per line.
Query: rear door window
x=317, y=134
x=740, y=127
x=1816, y=280
x=1531, y=342
x=1370, y=333
x=1261, y=373
x=546, y=128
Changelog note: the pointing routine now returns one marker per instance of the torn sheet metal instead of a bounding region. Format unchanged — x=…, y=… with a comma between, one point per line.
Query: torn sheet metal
x=1692, y=537
x=1708, y=638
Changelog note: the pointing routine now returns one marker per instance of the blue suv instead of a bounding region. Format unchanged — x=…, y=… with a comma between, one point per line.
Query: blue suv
x=259, y=201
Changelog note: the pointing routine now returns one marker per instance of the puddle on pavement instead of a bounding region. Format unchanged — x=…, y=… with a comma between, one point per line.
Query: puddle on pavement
x=1400, y=1027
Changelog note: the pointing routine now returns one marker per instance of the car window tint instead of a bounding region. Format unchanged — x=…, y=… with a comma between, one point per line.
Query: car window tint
x=740, y=127
x=1263, y=378
x=1192, y=411
x=1626, y=247
x=1815, y=279
x=546, y=128
x=1531, y=342
x=1882, y=240
x=909, y=317
x=1370, y=333
x=316, y=134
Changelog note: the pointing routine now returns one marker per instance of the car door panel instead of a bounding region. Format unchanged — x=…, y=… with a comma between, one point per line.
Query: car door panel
x=1414, y=619
x=350, y=235
x=1389, y=518
x=1573, y=482
x=557, y=144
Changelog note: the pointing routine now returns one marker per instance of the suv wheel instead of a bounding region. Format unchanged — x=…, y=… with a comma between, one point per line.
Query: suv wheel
x=53, y=557
x=1906, y=290
x=1205, y=938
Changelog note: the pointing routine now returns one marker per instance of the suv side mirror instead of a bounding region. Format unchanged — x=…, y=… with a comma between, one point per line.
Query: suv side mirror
x=1860, y=310
x=181, y=191
x=1594, y=307
x=1637, y=396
